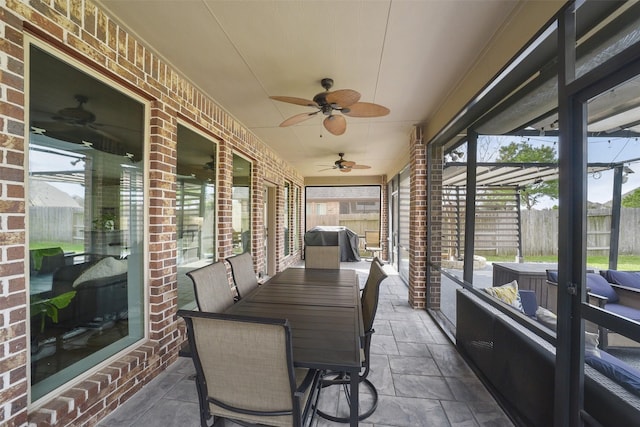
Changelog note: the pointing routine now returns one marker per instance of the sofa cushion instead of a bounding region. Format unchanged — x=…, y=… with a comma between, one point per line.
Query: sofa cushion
x=624, y=374
x=624, y=311
x=630, y=279
x=106, y=267
x=507, y=293
x=598, y=285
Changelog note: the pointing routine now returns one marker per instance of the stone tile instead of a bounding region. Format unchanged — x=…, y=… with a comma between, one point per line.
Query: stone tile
x=468, y=389
x=382, y=327
x=489, y=414
x=449, y=361
x=171, y=413
x=383, y=344
x=411, y=331
x=184, y=390
x=407, y=412
x=149, y=395
x=380, y=375
x=426, y=387
x=459, y=414
x=412, y=365
x=413, y=349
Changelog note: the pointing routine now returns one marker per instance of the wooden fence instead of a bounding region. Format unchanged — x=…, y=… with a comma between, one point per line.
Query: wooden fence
x=540, y=232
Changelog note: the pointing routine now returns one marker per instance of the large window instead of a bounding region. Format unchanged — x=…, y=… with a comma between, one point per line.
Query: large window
x=354, y=207
x=241, y=205
x=86, y=221
x=195, y=208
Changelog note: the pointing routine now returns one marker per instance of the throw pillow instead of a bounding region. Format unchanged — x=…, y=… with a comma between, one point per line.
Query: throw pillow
x=507, y=293
x=106, y=267
x=596, y=284
x=547, y=317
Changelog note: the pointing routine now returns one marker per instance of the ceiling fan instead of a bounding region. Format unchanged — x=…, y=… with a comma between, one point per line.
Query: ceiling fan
x=346, y=165
x=344, y=101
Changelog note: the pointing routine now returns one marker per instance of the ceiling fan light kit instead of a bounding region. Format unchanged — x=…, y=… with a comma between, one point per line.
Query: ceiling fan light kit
x=345, y=101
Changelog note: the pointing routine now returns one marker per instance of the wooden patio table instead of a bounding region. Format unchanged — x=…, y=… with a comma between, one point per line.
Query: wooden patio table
x=323, y=309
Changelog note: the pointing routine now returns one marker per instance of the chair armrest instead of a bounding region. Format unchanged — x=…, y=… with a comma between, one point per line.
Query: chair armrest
x=597, y=300
x=312, y=376
x=628, y=296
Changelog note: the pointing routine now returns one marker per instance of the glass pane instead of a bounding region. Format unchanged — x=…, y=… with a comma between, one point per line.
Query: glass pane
x=86, y=222
x=296, y=218
x=613, y=182
x=355, y=207
x=287, y=224
x=404, y=222
x=195, y=208
x=241, y=205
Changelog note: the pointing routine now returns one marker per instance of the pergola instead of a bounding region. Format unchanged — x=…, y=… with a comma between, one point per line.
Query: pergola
x=505, y=181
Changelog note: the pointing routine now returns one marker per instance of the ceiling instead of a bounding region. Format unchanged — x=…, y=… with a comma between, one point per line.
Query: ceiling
x=405, y=55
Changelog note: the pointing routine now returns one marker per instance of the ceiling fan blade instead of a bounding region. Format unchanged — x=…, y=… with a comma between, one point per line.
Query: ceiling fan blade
x=348, y=163
x=294, y=100
x=343, y=97
x=298, y=118
x=360, y=167
x=366, y=109
x=345, y=170
x=336, y=125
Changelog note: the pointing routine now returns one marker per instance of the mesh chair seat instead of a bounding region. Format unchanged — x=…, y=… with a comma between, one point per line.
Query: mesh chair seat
x=244, y=370
x=243, y=273
x=211, y=288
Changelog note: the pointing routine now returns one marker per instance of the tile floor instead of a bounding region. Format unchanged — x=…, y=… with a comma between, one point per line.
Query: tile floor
x=420, y=378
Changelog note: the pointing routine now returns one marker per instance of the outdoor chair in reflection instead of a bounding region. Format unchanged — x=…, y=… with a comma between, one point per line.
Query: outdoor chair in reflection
x=369, y=303
x=244, y=370
x=244, y=276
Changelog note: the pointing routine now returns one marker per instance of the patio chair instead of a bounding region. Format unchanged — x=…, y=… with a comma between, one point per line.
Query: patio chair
x=211, y=287
x=369, y=303
x=244, y=276
x=212, y=291
x=372, y=242
x=322, y=257
x=244, y=370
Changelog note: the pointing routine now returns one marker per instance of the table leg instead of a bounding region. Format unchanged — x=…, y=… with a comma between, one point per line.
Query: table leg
x=355, y=398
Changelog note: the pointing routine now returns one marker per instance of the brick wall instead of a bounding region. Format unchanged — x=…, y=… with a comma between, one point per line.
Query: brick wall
x=82, y=31
x=418, y=221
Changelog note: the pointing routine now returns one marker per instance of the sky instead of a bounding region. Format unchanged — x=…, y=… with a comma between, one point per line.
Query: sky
x=600, y=150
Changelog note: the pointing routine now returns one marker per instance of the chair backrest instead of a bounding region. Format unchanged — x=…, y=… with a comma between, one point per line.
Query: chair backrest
x=211, y=287
x=372, y=238
x=370, y=294
x=322, y=257
x=243, y=274
x=244, y=367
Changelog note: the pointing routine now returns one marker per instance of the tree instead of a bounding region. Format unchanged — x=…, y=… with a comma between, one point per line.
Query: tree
x=632, y=200
x=523, y=152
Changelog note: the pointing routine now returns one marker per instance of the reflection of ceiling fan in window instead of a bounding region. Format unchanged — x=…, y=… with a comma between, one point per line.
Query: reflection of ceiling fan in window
x=78, y=125
x=344, y=101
